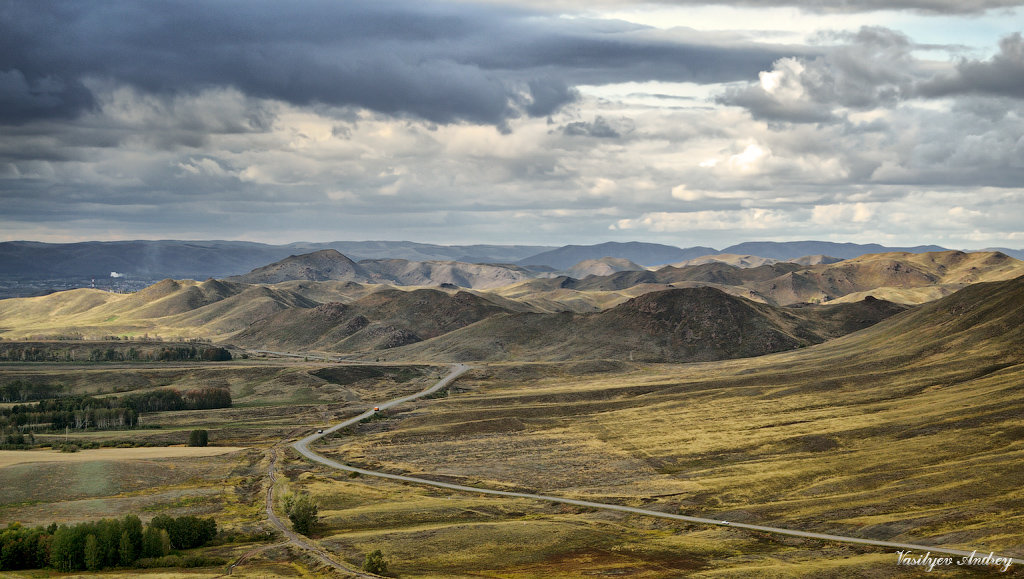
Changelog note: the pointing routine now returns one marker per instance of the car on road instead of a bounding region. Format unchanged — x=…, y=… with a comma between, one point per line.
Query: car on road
x=320, y=431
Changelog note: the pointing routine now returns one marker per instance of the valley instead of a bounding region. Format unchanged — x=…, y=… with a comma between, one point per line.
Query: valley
x=891, y=421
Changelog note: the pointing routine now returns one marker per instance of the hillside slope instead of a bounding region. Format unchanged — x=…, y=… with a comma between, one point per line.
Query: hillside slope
x=693, y=324
x=385, y=319
x=323, y=265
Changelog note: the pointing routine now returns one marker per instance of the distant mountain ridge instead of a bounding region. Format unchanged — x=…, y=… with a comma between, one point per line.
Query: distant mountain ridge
x=566, y=257
x=789, y=250
x=330, y=265
x=32, y=268
x=205, y=259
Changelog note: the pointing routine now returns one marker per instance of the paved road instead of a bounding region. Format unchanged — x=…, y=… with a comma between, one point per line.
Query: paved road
x=302, y=447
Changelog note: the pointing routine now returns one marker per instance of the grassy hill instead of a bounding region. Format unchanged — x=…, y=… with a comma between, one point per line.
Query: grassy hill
x=691, y=324
x=384, y=319
x=171, y=308
x=902, y=277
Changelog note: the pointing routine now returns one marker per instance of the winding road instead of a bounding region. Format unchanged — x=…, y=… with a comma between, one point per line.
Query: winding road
x=302, y=446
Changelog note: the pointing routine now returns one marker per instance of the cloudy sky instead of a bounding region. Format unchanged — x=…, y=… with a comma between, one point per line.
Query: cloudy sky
x=537, y=122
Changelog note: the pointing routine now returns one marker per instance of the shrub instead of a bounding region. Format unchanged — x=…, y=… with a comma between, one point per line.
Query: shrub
x=216, y=354
x=302, y=512
x=198, y=438
x=375, y=563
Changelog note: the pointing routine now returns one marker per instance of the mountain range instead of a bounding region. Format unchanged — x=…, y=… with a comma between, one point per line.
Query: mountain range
x=154, y=260
x=325, y=301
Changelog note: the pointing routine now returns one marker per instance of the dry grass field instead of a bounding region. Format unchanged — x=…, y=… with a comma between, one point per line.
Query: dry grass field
x=11, y=457
x=912, y=430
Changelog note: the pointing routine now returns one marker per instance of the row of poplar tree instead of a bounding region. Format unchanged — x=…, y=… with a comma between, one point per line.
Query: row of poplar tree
x=100, y=544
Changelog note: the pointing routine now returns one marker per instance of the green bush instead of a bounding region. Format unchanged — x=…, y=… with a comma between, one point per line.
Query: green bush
x=198, y=438
x=302, y=512
x=375, y=563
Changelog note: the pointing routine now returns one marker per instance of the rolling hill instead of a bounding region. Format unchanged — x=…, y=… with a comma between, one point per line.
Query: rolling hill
x=323, y=265
x=436, y=273
x=694, y=324
x=603, y=266
x=321, y=307
x=381, y=320
x=909, y=278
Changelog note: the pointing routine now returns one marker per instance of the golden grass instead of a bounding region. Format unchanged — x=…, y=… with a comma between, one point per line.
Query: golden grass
x=11, y=457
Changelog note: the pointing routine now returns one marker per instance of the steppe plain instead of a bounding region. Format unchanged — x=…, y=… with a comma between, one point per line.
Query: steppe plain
x=909, y=430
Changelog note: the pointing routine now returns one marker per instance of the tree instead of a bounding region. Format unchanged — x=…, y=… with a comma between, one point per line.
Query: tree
x=93, y=557
x=153, y=542
x=66, y=550
x=126, y=549
x=303, y=513
x=186, y=532
x=198, y=438
x=375, y=563
x=165, y=542
x=216, y=354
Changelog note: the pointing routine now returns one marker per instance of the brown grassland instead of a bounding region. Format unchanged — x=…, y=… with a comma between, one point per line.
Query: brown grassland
x=912, y=431
x=10, y=457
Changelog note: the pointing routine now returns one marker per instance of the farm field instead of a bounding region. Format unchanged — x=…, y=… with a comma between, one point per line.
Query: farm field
x=11, y=457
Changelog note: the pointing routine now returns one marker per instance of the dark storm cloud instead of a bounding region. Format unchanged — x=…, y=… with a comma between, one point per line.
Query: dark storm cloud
x=847, y=6
x=1002, y=75
x=440, y=62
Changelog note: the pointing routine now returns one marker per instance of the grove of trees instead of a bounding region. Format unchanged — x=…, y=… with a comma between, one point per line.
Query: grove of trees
x=108, y=413
x=100, y=544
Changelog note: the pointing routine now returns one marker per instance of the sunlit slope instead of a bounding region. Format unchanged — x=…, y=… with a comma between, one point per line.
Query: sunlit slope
x=603, y=266
x=181, y=308
x=890, y=275
x=907, y=278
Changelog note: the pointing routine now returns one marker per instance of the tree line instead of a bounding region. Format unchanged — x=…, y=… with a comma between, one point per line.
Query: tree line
x=109, y=413
x=20, y=391
x=100, y=544
x=37, y=353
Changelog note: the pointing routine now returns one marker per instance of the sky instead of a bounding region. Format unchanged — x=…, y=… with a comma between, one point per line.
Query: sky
x=535, y=122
